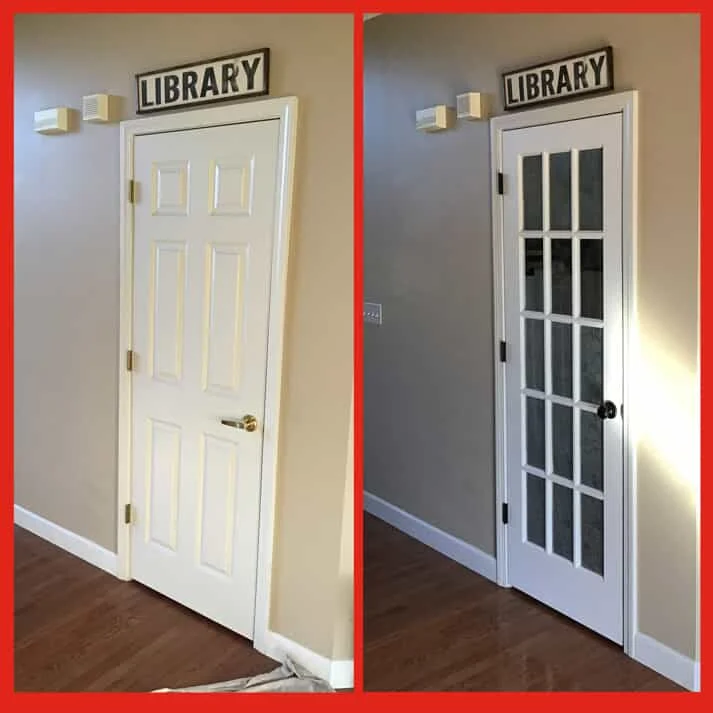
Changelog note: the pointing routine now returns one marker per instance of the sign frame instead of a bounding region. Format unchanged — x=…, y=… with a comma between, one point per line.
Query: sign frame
x=570, y=96
x=142, y=110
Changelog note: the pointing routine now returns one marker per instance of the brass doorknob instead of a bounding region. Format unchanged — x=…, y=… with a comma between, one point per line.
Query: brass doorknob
x=246, y=423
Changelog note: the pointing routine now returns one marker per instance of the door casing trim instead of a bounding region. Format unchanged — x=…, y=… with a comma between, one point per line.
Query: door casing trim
x=283, y=109
x=626, y=104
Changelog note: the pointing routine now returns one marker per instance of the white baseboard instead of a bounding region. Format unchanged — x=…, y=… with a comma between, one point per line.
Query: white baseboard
x=462, y=552
x=339, y=674
x=669, y=663
x=71, y=542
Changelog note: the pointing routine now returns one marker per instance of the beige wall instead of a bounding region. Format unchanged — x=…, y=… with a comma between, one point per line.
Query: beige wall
x=67, y=271
x=428, y=399
x=344, y=641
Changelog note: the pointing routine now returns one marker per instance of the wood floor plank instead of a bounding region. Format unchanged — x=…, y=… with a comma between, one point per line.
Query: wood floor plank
x=77, y=628
x=432, y=625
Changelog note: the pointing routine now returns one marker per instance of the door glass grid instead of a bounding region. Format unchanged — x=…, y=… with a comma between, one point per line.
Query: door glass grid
x=562, y=312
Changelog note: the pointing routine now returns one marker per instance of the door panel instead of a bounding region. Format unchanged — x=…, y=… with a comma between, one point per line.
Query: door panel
x=562, y=251
x=203, y=234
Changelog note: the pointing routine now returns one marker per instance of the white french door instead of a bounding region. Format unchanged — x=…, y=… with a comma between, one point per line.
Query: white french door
x=563, y=312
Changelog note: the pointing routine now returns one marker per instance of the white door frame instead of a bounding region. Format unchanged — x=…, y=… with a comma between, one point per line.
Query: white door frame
x=283, y=109
x=626, y=104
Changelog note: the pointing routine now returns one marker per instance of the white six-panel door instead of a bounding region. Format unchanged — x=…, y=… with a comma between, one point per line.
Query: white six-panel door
x=562, y=250
x=203, y=234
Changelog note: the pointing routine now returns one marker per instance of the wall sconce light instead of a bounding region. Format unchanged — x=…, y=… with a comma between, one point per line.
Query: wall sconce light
x=53, y=121
x=472, y=106
x=101, y=108
x=435, y=118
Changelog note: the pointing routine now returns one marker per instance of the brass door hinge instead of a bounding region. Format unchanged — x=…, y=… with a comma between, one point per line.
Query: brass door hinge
x=127, y=514
x=132, y=191
x=130, y=360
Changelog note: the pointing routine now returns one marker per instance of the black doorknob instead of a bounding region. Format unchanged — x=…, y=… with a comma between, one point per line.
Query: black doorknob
x=607, y=410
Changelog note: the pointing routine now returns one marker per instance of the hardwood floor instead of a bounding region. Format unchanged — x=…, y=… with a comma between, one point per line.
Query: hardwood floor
x=432, y=625
x=78, y=628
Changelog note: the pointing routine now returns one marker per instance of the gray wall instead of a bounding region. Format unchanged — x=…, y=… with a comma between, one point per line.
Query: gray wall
x=428, y=385
x=67, y=284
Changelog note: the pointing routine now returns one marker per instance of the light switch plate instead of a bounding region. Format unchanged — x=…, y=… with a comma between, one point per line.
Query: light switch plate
x=372, y=312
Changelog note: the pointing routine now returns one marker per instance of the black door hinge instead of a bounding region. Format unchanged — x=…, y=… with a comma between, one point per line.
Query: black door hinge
x=505, y=513
x=501, y=183
x=503, y=351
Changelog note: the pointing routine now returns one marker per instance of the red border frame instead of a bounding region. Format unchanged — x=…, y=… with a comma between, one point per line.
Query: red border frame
x=466, y=700
x=358, y=357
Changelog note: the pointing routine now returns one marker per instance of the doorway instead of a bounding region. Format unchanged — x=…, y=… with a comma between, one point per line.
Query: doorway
x=564, y=231
x=205, y=238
